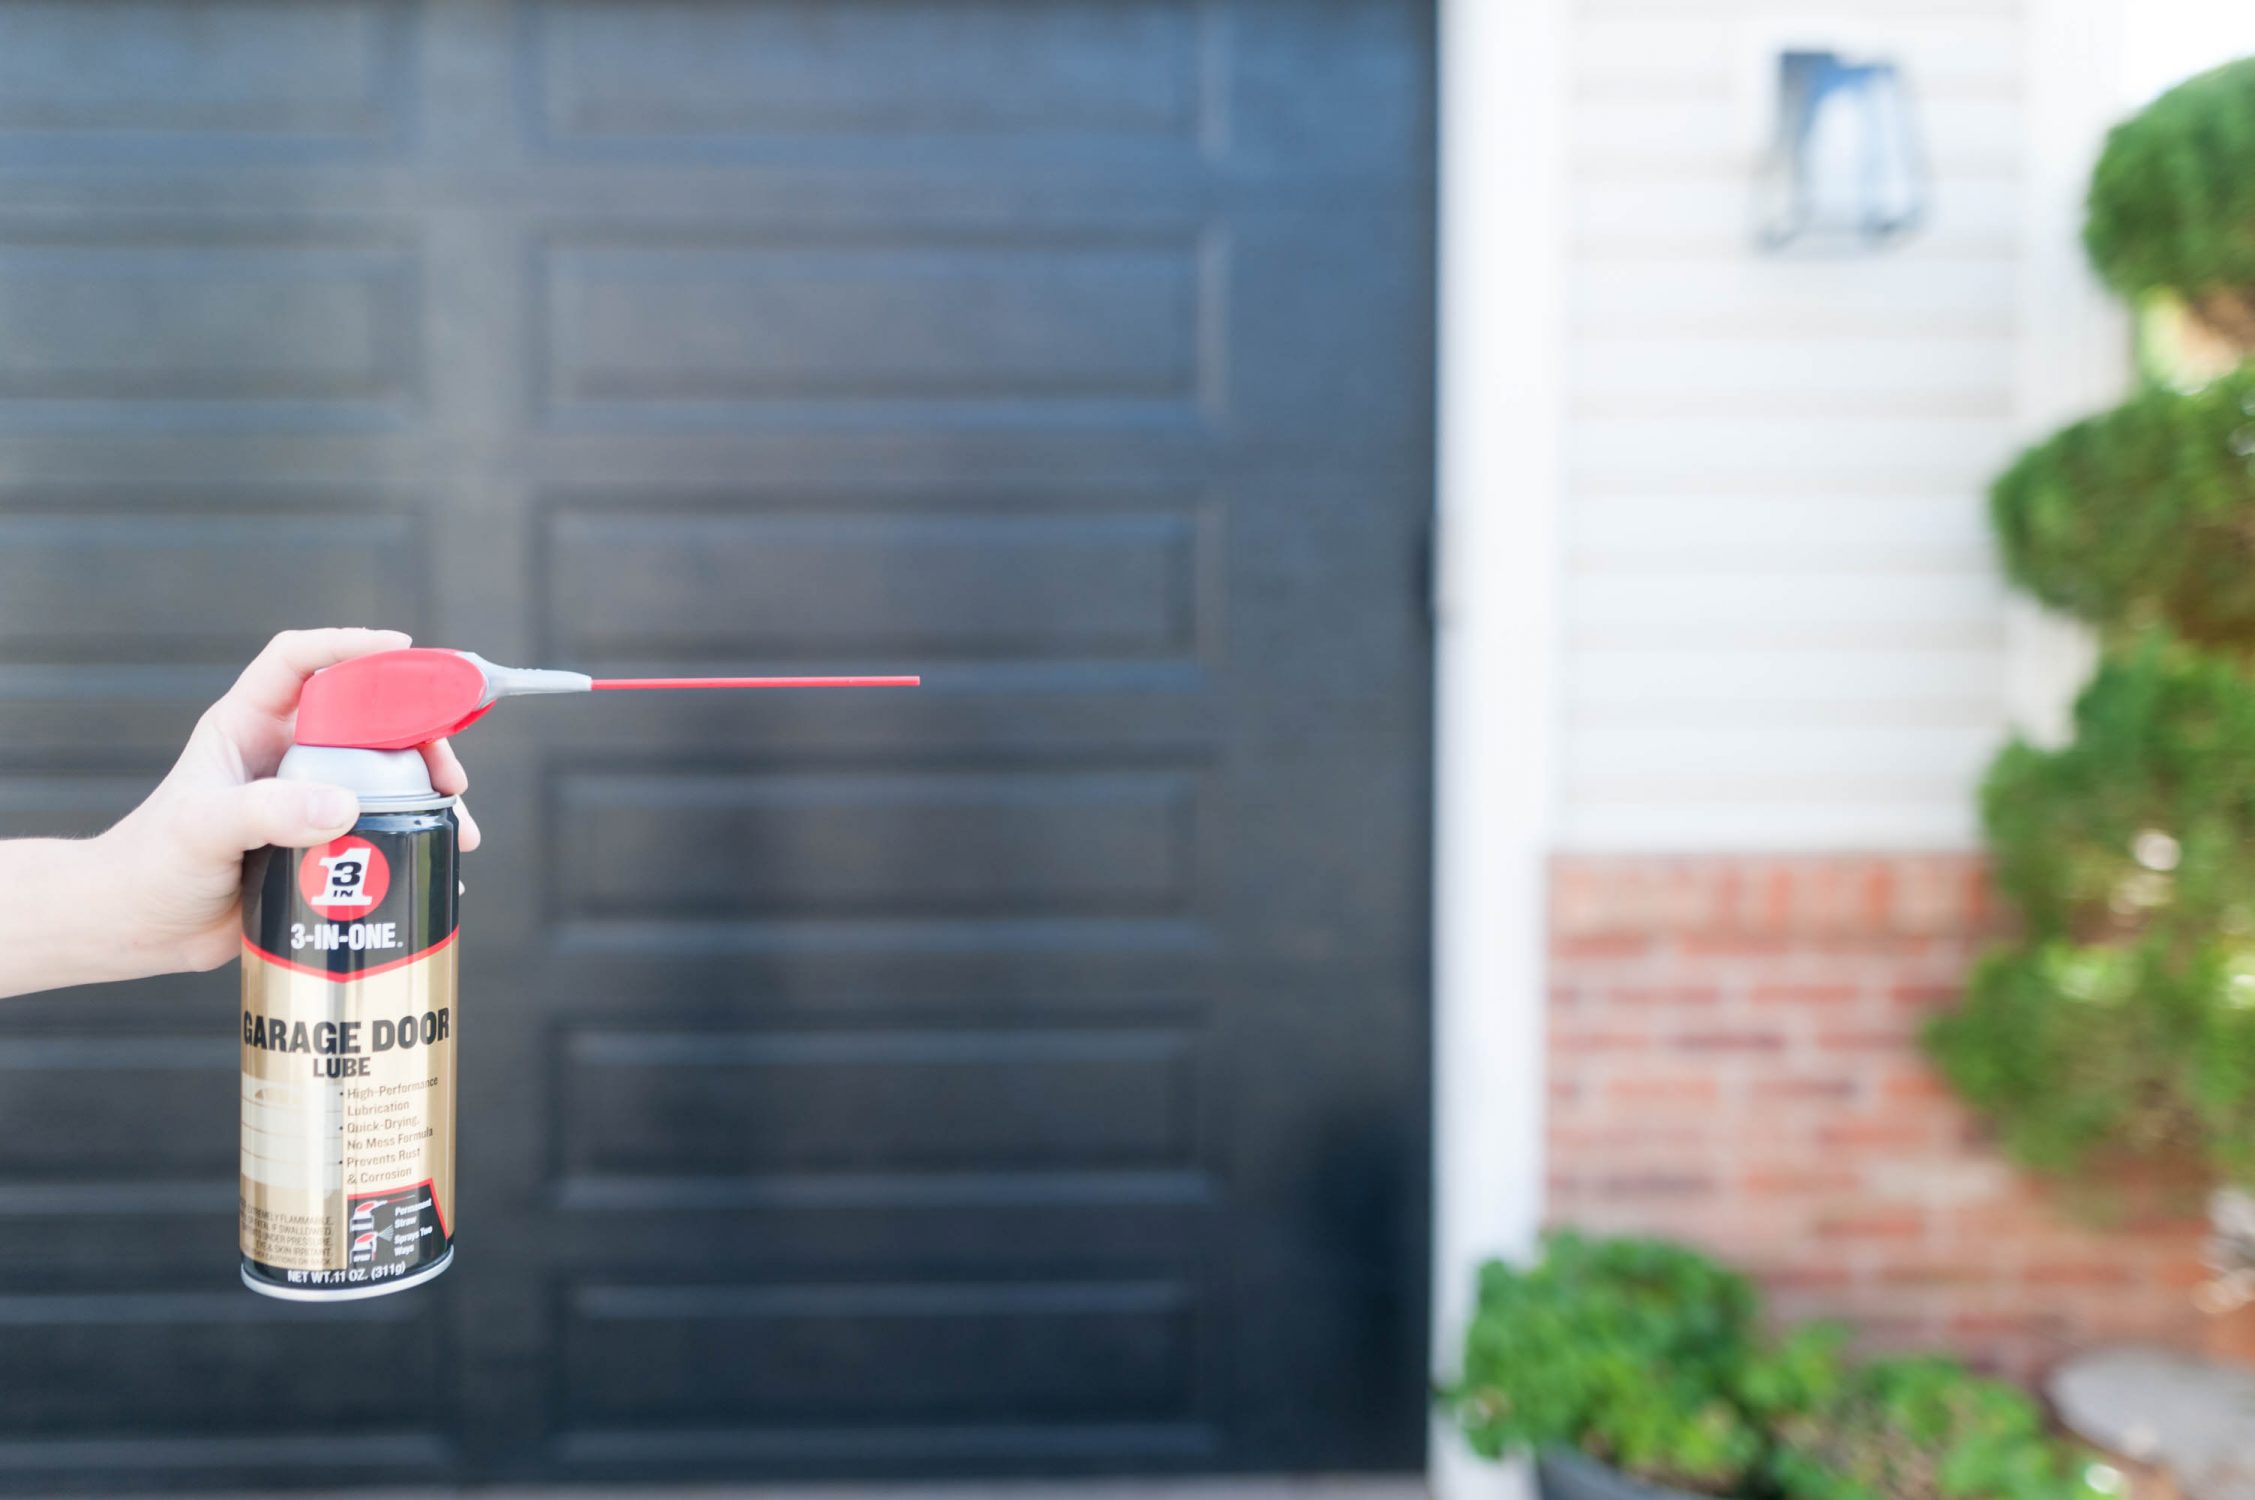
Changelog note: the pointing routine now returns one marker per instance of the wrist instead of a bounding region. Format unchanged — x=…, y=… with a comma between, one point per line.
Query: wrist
x=60, y=892
x=136, y=939
x=107, y=944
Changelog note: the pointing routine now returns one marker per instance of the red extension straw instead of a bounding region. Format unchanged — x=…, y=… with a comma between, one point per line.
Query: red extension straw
x=621, y=684
x=396, y=700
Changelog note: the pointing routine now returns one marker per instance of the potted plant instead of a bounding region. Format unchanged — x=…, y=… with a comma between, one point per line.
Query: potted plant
x=1636, y=1369
x=1925, y=1429
x=1617, y=1362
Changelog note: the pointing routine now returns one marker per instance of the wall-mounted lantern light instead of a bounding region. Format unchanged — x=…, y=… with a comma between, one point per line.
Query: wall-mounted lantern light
x=1844, y=169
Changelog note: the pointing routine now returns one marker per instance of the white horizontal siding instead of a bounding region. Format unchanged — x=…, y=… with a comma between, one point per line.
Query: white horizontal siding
x=1689, y=687
x=1951, y=50
x=1783, y=622
x=1947, y=373
x=1904, y=295
x=1647, y=134
x=1697, y=215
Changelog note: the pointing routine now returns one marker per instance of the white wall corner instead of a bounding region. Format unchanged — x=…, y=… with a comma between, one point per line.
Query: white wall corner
x=2074, y=336
x=1499, y=477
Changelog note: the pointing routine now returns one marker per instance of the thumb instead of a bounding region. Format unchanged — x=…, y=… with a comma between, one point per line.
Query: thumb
x=288, y=814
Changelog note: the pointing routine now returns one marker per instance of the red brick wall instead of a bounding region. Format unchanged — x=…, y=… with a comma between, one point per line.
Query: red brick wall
x=1734, y=1061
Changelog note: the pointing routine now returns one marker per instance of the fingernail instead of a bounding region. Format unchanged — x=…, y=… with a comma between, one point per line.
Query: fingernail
x=331, y=807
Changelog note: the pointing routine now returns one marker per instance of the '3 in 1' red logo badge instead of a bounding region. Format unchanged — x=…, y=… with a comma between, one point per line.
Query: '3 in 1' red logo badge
x=344, y=878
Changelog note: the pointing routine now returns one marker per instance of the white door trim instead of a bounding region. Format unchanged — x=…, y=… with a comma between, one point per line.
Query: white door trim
x=1500, y=474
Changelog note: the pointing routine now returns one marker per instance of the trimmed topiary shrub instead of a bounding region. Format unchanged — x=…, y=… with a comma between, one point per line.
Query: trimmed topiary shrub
x=2142, y=515
x=2144, y=823
x=2119, y=1030
x=2103, y=1058
x=2172, y=203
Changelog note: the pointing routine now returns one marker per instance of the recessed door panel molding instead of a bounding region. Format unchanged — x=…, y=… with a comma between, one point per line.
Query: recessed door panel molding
x=194, y=587
x=658, y=80
x=880, y=846
x=696, y=329
x=750, y=583
x=123, y=325
x=892, y=1100
x=188, y=83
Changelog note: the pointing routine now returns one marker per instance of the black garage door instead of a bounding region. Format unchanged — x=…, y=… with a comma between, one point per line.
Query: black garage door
x=1025, y=1073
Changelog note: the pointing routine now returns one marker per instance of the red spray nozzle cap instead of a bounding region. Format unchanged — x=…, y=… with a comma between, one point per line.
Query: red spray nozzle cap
x=396, y=700
x=392, y=700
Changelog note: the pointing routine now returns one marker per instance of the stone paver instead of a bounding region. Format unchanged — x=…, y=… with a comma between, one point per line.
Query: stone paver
x=2186, y=1415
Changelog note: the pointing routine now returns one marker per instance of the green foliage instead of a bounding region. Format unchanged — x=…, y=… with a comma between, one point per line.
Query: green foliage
x=1925, y=1429
x=2143, y=515
x=1650, y=1357
x=2122, y=1030
x=1804, y=1371
x=1628, y=1349
x=2075, y=1081
x=2145, y=822
x=2172, y=201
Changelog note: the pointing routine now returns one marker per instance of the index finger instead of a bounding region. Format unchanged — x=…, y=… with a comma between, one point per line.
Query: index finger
x=270, y=685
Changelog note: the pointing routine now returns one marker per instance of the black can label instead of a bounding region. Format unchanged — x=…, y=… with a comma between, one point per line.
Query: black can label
x=349, y=1026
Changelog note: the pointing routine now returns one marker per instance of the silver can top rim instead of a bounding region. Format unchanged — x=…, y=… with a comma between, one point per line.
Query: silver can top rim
x=383, y=780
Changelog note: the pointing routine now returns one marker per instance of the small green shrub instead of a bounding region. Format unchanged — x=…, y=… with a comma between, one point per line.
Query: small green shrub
x=1925, y=1429
x=2121, y=1029
x=1650, y=1357
x=2172, y=203
x=1630, y=1350
x=2142, y=515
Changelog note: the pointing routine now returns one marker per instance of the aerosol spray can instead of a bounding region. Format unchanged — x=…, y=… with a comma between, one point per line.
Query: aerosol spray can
x=349, y=1023
x=350, y=1012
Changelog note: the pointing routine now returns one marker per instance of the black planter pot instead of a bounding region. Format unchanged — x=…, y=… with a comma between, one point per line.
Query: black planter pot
x=1567, y=1475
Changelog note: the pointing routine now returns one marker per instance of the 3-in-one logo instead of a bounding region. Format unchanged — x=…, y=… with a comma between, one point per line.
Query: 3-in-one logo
x=344, y=878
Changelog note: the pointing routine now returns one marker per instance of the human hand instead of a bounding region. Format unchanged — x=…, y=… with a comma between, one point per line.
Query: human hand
x=181, y=851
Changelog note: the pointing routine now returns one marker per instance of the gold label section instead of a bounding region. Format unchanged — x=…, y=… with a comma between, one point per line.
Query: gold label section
x=348, y=1097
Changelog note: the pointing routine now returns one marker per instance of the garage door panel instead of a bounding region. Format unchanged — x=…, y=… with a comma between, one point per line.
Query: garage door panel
x=209, y=1362
x=676, y=333
x=659, y=80
x=895, y=1100
x=1044, y=713
x=904, y=1452
x=1301, y=278
x=889, y=846
x=1348, y=99
x=133, y=324
x=751, y=1356
x=746, y=460
x=120, y=726
x=195, y=587
x=583, y=977
x=234, y=76
x=58, y=801
x=140, y=1010
x=945, y=581
x=59, y=1100
x=813, y=1227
